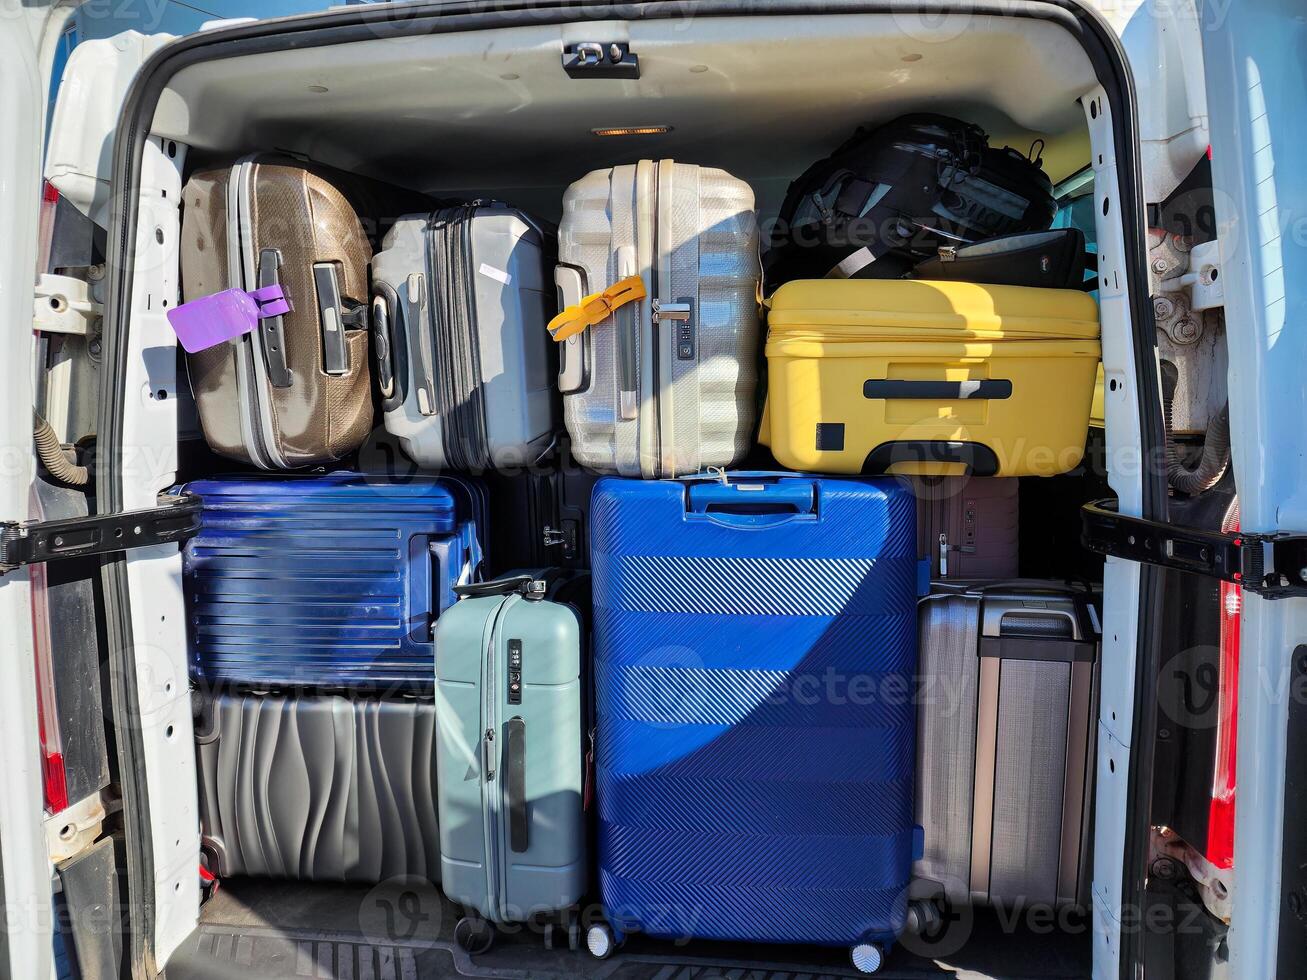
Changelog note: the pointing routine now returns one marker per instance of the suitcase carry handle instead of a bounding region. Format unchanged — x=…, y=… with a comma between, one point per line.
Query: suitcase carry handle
x=995, y=389
x=332, y=318
x=514, y=764
x=976, y=458
x=574, y=351
x=750, y=504
x=381, y=343
x=415, y=325
x=531, y=586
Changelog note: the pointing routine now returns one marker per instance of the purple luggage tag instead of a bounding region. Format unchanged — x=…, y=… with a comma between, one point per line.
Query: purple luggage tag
x=210, y=320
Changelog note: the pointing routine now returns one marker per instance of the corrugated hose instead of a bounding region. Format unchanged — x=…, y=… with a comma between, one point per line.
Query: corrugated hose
x=1216, y=446
x=53, y=456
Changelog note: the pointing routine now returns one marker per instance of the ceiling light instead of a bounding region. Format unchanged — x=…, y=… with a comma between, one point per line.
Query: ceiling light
x=631, y=130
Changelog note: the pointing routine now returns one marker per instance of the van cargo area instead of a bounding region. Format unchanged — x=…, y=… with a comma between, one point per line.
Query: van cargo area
x=307, y=800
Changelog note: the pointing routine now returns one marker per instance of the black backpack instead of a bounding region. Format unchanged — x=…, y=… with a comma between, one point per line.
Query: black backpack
x=891, y=196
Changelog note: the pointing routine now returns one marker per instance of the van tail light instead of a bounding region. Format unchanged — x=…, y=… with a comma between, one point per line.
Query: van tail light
x=52, y=756
x=1220, y=818
x=45, y=226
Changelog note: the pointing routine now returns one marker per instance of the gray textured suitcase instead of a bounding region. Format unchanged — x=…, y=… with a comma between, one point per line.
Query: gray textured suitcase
x=461, y=298
x=509, y=754
x=665, y=386
x=967, y=526
x=1005, y=748
x=318, y=788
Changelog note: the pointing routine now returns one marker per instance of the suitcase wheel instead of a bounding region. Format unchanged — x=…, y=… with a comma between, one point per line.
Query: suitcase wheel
x=600, y=941
x=867, y=957
x=474, y=934
x=574, y=936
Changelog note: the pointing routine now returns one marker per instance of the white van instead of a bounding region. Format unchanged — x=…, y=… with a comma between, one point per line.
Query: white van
x=1181, y=162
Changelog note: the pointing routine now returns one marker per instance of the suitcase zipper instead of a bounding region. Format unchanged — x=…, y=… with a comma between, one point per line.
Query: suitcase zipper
x=248, y=393
x=491, y=794
x=655, y=334
x=452, y=326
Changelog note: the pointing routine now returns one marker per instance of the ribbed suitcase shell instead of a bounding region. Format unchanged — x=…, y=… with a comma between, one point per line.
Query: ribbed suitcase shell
x=1005, y=747
x=489, y=748
x=738, y=797
x=318, y=788
x=692, y=234
x=325, y=581
x=467, y=290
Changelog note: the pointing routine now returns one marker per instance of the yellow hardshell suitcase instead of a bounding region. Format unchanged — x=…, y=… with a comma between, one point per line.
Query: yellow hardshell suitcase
x=929, y=378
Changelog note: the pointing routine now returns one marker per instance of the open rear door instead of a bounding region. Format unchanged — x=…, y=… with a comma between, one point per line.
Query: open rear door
x=57, y=860
x=1257, y=100
x=26, y=946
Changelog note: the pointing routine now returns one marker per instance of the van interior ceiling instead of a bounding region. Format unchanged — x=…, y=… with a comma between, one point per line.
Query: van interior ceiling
x=481, y=115
x=755, y=98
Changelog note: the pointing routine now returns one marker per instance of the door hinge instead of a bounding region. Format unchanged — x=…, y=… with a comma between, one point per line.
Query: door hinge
x=25, y=543
x=1272, y=565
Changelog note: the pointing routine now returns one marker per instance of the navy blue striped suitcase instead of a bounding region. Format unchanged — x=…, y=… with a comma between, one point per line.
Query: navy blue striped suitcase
x=756, y=643
x=326, y=581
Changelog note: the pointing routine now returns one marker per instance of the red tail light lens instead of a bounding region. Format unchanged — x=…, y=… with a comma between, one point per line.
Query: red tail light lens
x=1220, y=821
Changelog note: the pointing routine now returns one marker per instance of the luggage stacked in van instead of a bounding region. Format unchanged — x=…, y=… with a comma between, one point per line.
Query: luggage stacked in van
x=927, y=323
x=870, y=372
x=340, y=622
x=312, y=603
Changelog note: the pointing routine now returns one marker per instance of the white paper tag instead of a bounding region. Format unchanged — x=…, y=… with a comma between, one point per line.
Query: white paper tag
x=499, y=275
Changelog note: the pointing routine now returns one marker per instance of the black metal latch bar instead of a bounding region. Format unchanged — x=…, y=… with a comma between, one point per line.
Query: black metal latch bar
x=175, y=519
x=1272, y=565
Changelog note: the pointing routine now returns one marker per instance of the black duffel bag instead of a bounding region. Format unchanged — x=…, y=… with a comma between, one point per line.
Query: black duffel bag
x=891, y=196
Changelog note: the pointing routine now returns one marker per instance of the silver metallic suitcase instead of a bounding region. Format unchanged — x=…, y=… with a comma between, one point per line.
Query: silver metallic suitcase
x=510, y=754
x=1005, y=749
x=461, y=298
x=665, y=386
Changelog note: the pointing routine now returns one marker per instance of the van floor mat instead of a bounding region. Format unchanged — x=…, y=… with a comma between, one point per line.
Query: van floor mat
x=289, y=931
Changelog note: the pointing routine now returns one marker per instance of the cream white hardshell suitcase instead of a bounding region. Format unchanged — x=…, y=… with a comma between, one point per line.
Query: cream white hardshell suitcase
x=665, y=385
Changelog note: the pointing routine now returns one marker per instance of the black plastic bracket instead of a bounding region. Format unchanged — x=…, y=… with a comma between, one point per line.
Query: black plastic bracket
x=1272, y=565
x=175, y=519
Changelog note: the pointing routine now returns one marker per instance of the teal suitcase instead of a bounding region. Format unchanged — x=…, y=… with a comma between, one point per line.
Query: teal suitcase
x=510, y=715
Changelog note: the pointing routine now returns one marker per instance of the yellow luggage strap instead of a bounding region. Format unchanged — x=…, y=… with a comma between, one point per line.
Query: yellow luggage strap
x=595, y=308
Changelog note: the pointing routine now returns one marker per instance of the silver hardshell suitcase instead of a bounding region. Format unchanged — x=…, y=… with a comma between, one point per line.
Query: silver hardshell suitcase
x=1005, y=742
x=510, y=746
x=665, y=386
x=461, y=298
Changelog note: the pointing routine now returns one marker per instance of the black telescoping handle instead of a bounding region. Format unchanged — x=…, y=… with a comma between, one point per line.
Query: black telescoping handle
x=993, y=389
x=519, y=834
x=272, y=331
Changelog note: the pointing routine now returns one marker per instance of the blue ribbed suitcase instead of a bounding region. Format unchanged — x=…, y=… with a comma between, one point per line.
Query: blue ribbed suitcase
x=326, y=581
x=755, y=649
